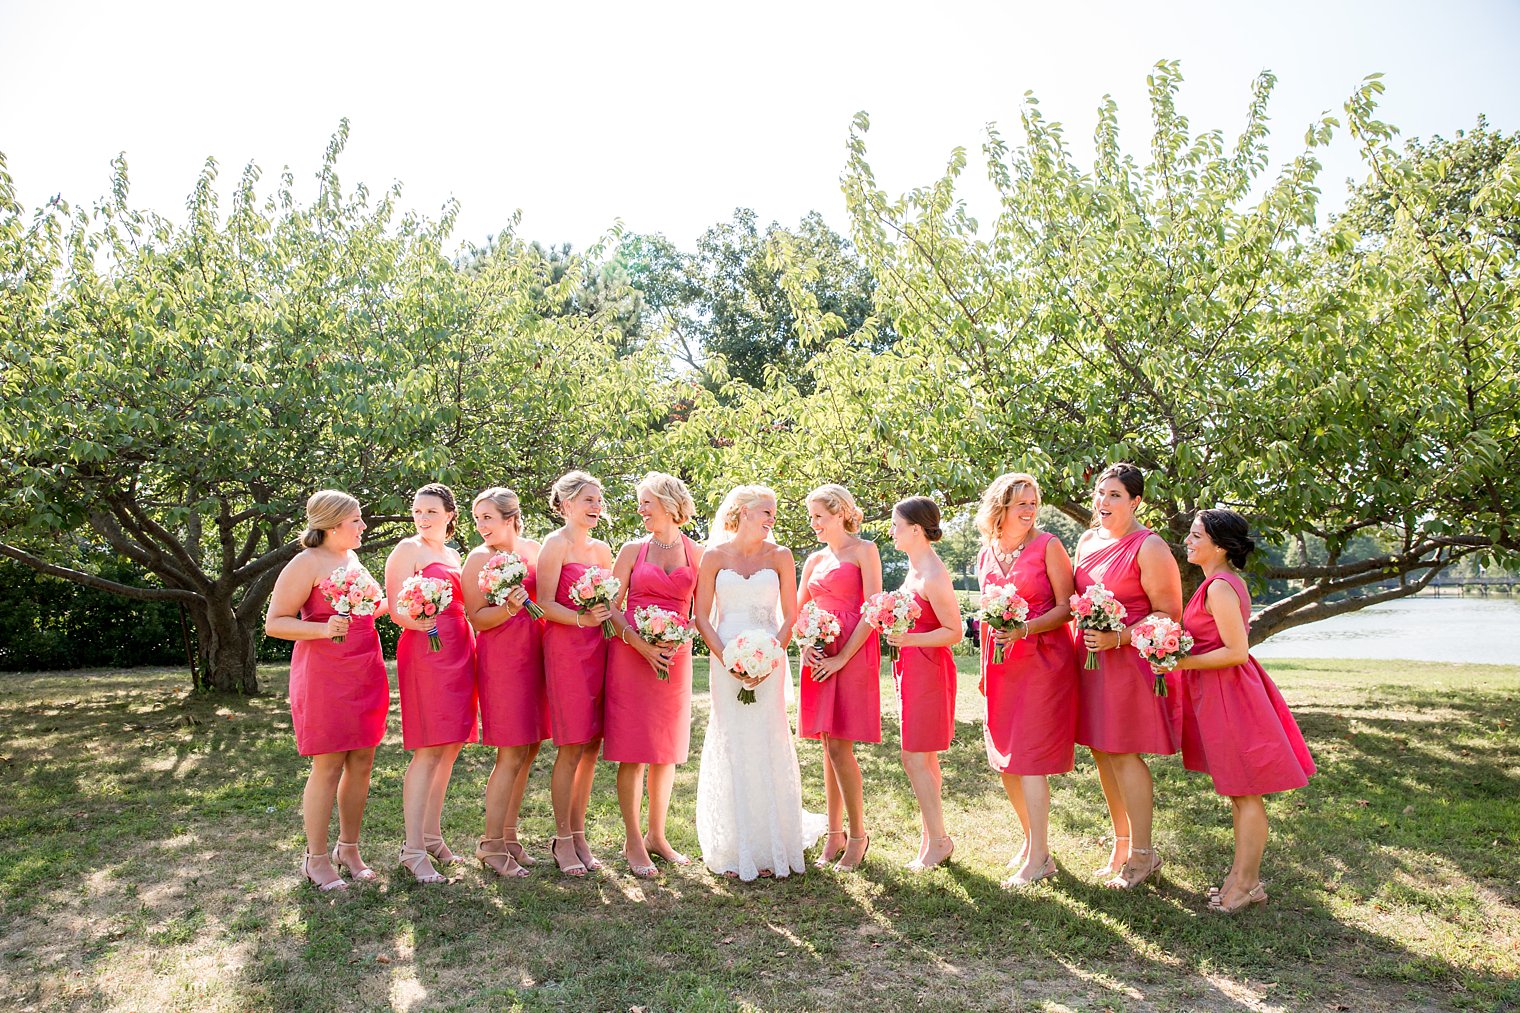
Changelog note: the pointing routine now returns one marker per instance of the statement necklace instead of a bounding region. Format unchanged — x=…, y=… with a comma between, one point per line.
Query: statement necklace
x=664, y=545
x=1007, y=559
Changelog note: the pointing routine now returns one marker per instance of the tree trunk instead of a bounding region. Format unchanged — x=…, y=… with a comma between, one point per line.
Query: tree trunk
x=229, y=650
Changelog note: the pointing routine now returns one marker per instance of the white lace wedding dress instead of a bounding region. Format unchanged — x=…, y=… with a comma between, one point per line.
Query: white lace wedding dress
x=749, y=792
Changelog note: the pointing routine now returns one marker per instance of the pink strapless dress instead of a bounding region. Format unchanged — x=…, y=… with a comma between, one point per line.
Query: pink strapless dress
x=509, y=667
x=339, y=693
x=1118, y=710
x=848, y=705
x=1236, y=727
x=575, y=667
x=648, y=719
x=926, y=689
x=1032, y=696
x=438, y=687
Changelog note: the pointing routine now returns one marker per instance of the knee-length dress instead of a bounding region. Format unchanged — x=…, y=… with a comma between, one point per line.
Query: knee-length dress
x=339, y=693
x=648, y=719
x=509, y=667
x=1236, y=727
x=1118, y=710
x=575, y=668
x=848, y=704
x=1032, y=695
x=438, y=699
x=926, y=689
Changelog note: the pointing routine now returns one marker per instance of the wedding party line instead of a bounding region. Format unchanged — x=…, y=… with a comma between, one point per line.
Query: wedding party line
x=519, y=643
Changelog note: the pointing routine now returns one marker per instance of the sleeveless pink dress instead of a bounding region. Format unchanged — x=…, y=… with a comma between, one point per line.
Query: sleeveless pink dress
x=848, y=704
x=1118, y=710
x=1032, y=696
x=339, y=693
x=509, y=666
x=575, y=668
x=1236, y=726
x=438, y=687
x=926, y=689
x=648, y=719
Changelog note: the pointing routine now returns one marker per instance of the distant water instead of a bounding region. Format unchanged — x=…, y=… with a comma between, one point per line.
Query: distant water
x=1420, y=628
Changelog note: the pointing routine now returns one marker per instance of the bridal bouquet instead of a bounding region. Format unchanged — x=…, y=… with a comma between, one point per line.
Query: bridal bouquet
x=891, y=612
x=815, y=627
x=1163, y=642
x=350, y=590
x=503, y=573
x=1002, y=608
x=422, y=598
x=662, y=628
x=753, y=654
x=596, y=587
x=1097, y=609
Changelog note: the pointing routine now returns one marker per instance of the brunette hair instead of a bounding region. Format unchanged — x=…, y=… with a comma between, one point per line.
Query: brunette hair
x=324, y=510
x=1228, y=530
x=446, y=494
x=998, y=498
x=568, y=487
x=671, y=493
x=504, y=500
x=923, y=511
x=836, y=499
x=1129, y=476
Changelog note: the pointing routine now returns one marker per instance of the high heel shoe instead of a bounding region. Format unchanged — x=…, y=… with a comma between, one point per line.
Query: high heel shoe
x=1256, y=895
x=322, y=885
x=591, y=861
x=641, y=871
x=1047, y=870
x=517, y=851
x=357, y=869
x=824, y=859
x=1123, y=882
x=509, y=869
x=414, y=860
x=433, y=845
x=919, y=866
x=841, y=867
x=1108, y=871
x=576, y=868
x=670, y=855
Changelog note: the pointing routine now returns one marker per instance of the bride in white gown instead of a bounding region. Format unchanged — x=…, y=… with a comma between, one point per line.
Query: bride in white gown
x=750, y=820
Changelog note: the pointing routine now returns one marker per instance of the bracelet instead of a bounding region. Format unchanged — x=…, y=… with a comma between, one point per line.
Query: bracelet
x=623, y=636
x=578, y=619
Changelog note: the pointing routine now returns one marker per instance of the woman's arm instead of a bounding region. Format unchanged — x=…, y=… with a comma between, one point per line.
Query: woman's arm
x=786, y=568
x=1062, y=585
x=399, y=565
x=1223, y=603
x=551, y=560
x=940, y=590
x=706, y=574
x=291, y=589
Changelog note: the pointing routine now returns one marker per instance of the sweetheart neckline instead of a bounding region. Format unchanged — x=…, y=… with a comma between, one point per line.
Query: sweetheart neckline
x=748, y=576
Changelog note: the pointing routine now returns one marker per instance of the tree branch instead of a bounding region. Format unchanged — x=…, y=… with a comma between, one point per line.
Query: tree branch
x=100, y=583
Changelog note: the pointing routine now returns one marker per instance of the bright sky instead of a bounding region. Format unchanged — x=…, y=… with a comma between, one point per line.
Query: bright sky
x=668, y=116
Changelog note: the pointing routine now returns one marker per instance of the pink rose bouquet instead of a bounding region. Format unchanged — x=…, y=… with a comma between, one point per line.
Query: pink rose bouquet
x=421, y=599
x=891, y=612
x=596, y=587
x=1097, y=609
x=1002, y=608
x=1163, y=642
x=351, y=591
x=502, y=574
x=753, y=654
x=662, y=628
x=815, y=627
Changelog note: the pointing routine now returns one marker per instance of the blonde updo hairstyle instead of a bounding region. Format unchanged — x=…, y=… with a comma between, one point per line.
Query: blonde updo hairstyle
x=836, y=499
x=325, y=510
x=569, y=486
x=504, y=500
x=671, y=493
x=998, y=498
x=742, y=498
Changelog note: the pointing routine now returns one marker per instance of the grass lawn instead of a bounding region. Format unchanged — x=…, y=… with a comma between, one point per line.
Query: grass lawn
x=153, y=842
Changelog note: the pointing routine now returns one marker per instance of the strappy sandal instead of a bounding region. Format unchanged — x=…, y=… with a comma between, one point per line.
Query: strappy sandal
x=518, y=852
x=674, y=857
x=1256, y=895
x=323, y=886
x=414, y=860
x=433, y=845
x=576, y=868
x=592, y=863
x=1046, y=871
x=357, y=869
x=641, y=871
x=1107, y=870
x=825, y=860
x=1123, y=882
x=840, y=866
x=510, y=869
x=919, y=866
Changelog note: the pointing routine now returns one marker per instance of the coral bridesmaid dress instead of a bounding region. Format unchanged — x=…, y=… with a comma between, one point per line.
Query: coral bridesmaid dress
x=339, y=694
x=1032, y=695
x=1118, y=710
x=575, y=668
x=438, y=687
x=847, y=705
x=648, y=719
x=1236, y=726
x=509, y=666
x=926, y=689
